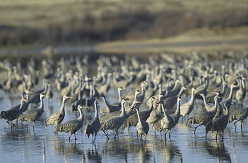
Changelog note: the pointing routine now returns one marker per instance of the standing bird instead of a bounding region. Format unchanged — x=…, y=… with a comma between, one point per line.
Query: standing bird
x=108, y=107
x=142, y=126
x=14, y=113
x=34, y=97
x=219, y=123
x=33, y=114
x=204, y=118
x=116, y=122
x=241, y=92
x=187, y=107
x=93, y=126
x=239, y=115
x=57, y=118
x=71, y=126
x=128, y=111
x=49, y=93
x=169, y=121
x=133, y=119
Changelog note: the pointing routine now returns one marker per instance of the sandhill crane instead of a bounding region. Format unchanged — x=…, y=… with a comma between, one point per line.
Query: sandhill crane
x=108, y=108
x=13, y=114
x=219, y=123
x=105, y=87
x=142, y=126
x=129, y=111
x=204, y=118
x=33, y=114
x=239, y=115
x=116, y=122
x=170, y=102
x=119, y=91
x=187, y=107
x=49, y=93
x=71, y=126
x=169, y=121
x=124, y=82
x=241, y=92
x=34, y=97
x=93, y=126
x=133, y=119
x=210, y=99
x=207, y=106
x=156, y=113
x=57, y=118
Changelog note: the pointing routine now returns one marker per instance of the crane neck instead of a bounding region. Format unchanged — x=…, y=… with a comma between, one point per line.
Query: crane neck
x=137, y=111
x=177, y=112
x=105, y=101
x=41, y=103
x=119, y=95
x=80, y=114
x=62, y=105
x=229, y=98
x=192, y=98
x=180, y=92
x=214, y=108
x=96, y=111
x=123, y=113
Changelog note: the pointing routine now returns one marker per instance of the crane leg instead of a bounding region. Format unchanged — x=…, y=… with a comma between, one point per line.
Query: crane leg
x=216, y=135
x=235, y=125
x=241, y=125
x=106, y=134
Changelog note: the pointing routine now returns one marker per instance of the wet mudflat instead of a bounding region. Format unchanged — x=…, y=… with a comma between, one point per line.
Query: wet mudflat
x=24, y=144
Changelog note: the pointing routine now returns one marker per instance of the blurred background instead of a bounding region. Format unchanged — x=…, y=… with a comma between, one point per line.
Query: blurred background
x=83, y=22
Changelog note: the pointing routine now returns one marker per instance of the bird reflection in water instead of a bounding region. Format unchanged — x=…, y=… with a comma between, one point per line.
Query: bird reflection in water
x=67, y=149
x=144, y=153
x=169, y=151
x=217, y=149
x=214, y=148
x=117, y=149
x=93, y=155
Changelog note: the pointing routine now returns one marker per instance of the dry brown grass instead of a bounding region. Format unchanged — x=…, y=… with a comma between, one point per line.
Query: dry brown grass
x=69, y=21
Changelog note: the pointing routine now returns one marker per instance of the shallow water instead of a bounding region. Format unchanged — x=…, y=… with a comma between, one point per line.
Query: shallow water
x=24, y=144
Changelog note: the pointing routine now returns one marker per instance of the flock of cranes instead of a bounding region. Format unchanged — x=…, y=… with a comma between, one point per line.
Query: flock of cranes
x=170, y=87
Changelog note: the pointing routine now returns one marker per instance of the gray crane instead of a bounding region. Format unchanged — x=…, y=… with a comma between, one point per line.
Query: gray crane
x=186, y=108
x=156, y=113
x=71, y=126
x=170, y=102
x=239, y=115
x=129, y=111
x=49, y=93
x=13, y=114
x=133, y=119
x=108, y=108
x=204, y=118
x=241, y=92
x=93, y=126
x=141, y=95
x=218, y=123
x=142, y=126
x=34, y=97
x=116, y=122
x=33, y=114
x=208, y=107
x=57, y=118
x=210, y=99
x=169, y=121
